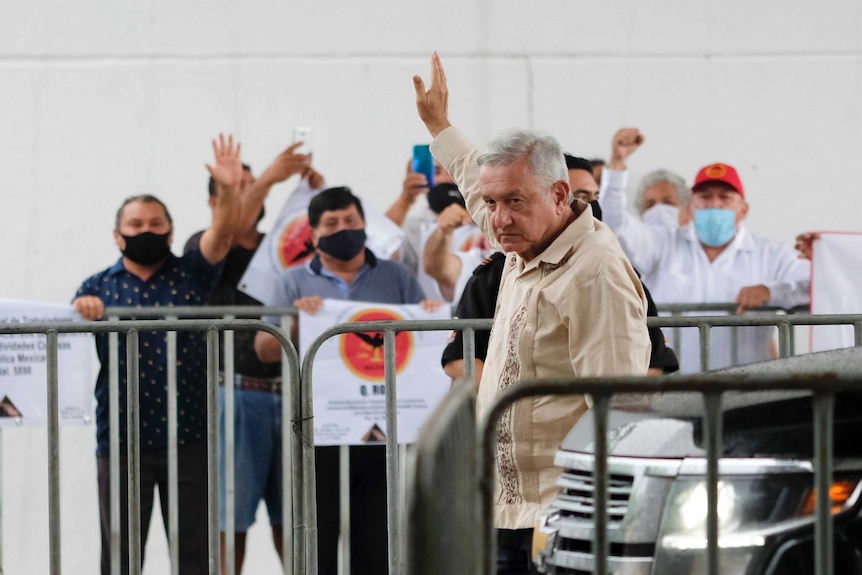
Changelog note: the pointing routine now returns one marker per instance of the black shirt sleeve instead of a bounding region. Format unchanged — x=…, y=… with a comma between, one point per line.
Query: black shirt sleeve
x=478, y=301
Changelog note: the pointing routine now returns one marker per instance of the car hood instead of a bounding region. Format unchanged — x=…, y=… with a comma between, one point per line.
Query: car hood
x=767, y=424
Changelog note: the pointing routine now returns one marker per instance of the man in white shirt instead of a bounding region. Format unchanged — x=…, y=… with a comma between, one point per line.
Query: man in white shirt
x=713, y=258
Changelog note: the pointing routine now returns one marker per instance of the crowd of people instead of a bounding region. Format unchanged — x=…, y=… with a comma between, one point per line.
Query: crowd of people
x=540, y=240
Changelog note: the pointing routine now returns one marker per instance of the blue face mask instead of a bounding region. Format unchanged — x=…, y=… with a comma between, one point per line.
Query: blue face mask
x=714, y=226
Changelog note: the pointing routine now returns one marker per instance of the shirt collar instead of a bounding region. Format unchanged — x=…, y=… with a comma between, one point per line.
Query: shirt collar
x=315, y=266
x=119, y=268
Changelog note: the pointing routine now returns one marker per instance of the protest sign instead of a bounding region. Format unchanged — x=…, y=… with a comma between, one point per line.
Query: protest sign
x=24, y=369
x=348, y=375
x=835, y=279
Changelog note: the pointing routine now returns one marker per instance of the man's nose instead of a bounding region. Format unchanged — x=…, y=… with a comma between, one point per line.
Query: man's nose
x=501, y=217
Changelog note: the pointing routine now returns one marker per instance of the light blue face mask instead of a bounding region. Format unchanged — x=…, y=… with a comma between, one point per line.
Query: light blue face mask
x=715, y=226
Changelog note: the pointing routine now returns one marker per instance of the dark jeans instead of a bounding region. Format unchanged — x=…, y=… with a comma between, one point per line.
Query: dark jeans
x=368, y=535
x=514, y=552
x=192, y=505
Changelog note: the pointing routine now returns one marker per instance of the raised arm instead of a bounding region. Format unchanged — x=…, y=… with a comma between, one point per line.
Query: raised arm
x=285, y=165
x=217, y=240
x=451, y=147
x=640, y=241
x=414, y=185
x=439, y=261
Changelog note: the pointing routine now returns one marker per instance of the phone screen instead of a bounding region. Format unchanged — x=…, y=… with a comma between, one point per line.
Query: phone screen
x=302, y=134
x=423, y=162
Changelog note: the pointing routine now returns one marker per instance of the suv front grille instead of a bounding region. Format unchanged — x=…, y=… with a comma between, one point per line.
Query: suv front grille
x=577, y=495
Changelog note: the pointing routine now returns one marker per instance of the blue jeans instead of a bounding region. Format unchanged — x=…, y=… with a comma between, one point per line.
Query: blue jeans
x=257, y=457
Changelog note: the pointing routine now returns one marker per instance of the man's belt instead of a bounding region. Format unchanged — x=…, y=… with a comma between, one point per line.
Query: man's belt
x=268, y=384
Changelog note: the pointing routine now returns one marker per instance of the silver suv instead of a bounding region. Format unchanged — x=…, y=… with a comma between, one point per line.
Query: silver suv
x=657, y=494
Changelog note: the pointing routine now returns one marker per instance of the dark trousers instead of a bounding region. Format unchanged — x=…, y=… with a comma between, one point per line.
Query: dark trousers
x=514, y=552
x=368, y=535
x=192, y=505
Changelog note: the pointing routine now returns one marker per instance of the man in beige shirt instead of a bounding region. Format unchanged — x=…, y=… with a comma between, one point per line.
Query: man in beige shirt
x=570, y=304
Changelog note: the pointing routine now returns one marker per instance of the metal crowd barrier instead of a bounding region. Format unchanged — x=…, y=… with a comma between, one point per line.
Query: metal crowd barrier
x=784, y=323
x=678, y=310
x=394, y=491
x=711, y=386
x=131, y=328
x=298, y=409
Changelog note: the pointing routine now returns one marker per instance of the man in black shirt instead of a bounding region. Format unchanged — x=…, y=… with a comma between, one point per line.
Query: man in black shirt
x=257, y=385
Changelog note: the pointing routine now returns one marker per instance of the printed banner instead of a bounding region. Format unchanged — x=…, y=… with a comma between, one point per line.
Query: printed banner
x=24, y=368
x=836, y=274
x=285, y=246
x=349, y=391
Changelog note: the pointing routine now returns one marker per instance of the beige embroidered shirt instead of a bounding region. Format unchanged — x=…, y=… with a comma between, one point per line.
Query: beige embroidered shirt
x=575, y=310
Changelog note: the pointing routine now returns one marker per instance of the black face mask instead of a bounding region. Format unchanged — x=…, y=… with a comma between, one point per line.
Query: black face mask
x=344, y=245
x=147, y=248
x=597, y=209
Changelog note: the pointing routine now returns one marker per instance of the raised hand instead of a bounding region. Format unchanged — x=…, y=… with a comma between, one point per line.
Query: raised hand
x=315, y=178
x=285, y=165
x=415, y=184
x=433, y=103
x=624, y=144
x=227, y=170
x=452, y=217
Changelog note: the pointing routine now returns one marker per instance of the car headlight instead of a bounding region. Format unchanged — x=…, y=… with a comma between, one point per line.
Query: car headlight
x=749, y=511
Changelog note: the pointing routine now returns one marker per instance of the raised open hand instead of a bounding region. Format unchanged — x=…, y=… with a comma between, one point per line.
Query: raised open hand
x=433, y=103
x=227, y=170
x=286, y=164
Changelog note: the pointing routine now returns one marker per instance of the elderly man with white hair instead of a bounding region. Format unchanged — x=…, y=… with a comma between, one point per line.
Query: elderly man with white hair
x=570, y=304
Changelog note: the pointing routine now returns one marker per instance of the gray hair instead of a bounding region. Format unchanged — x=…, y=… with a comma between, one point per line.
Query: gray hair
x=657, y=177
x=543, y=152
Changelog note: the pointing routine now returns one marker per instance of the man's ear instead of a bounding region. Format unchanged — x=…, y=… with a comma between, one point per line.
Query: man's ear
x=561, y=189
x=118, y=239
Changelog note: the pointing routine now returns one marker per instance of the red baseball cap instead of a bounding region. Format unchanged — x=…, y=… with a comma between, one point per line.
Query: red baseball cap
x=719, y=173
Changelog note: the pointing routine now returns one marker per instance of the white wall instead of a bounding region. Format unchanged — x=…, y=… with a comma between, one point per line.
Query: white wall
x=102, y=99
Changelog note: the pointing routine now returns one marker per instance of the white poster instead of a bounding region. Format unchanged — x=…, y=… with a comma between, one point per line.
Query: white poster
x=836, y=274
x=24, y=368
x=285, y=245
x=349, y=390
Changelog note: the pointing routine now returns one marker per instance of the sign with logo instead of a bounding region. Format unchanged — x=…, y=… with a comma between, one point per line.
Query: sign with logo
x=24, y=368
x=348, y=376
x=835, y=279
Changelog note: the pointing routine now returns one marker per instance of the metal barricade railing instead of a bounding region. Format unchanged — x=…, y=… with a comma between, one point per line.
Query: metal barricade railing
x=679, y=310
x=306, y=409
x=300, y=445
x=784, y=323
x=711, y=386
x=286, y=313
x=438, y=540
x=131, y=328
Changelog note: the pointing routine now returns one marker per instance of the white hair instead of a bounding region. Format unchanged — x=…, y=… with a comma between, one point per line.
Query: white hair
x=543, y=153
x=657, y=177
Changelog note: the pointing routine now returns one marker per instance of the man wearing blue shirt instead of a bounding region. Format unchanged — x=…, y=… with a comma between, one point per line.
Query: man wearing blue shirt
x=148, y=274
x=343, y=268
